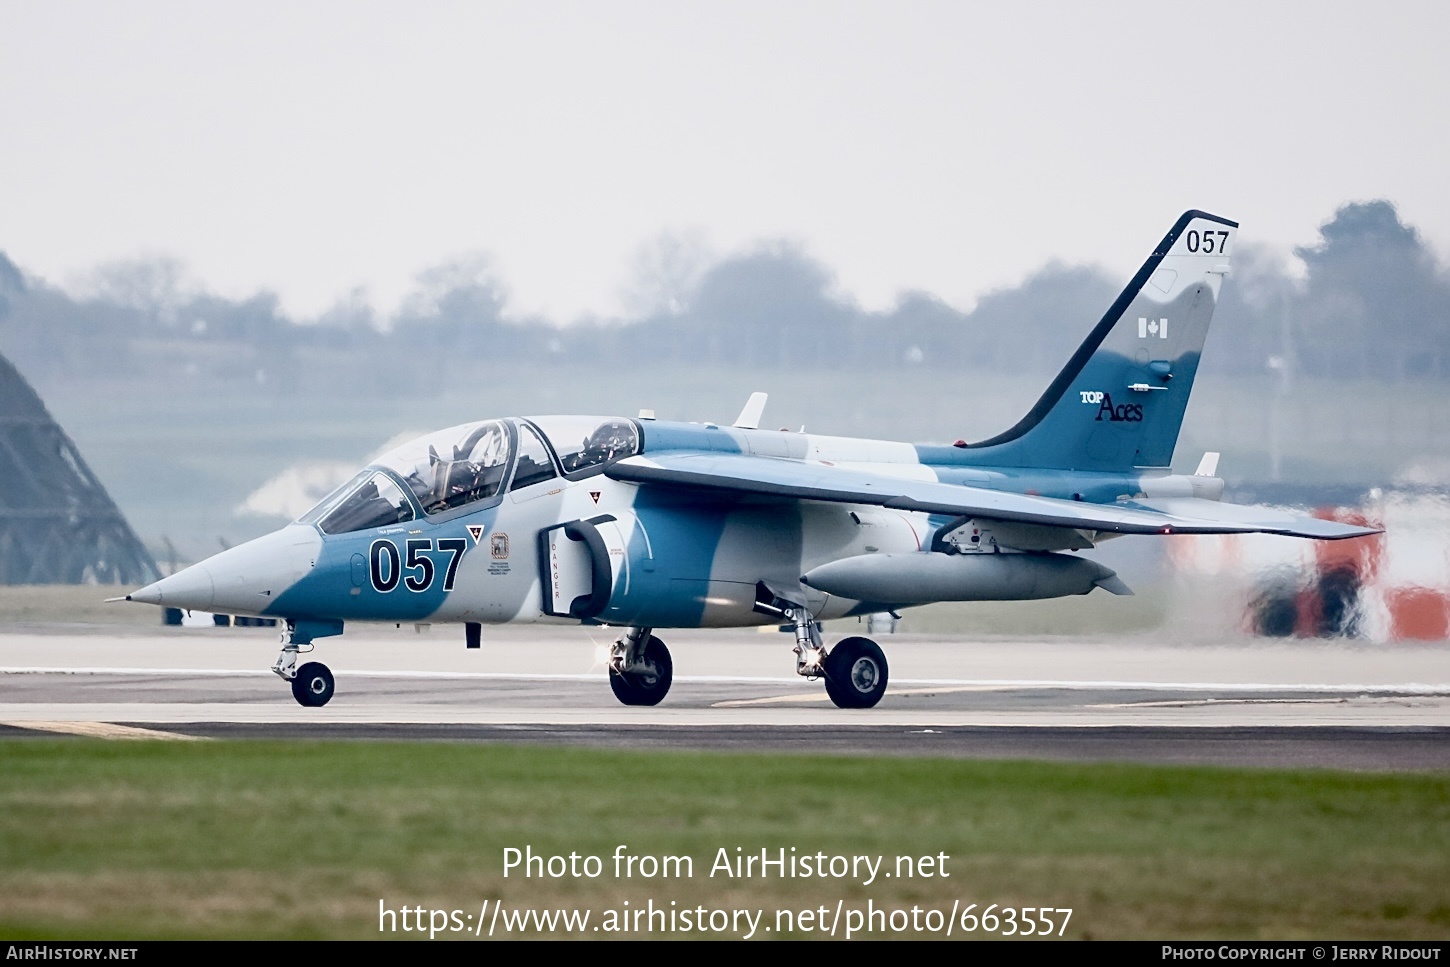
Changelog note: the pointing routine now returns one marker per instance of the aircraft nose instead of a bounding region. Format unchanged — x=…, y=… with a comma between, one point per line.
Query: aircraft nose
x=191, y=588
x=243, y=580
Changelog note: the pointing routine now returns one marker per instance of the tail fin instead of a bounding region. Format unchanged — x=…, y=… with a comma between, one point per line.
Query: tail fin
x=1119, y=402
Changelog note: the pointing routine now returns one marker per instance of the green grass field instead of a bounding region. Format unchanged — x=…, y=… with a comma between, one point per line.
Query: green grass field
x=300, y=839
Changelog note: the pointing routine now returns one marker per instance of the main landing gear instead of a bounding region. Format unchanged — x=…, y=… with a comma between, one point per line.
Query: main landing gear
x=312, y=684
x=640, y=669
x=854, y=670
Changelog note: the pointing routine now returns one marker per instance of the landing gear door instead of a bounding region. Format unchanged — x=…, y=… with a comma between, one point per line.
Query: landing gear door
x=578, y=574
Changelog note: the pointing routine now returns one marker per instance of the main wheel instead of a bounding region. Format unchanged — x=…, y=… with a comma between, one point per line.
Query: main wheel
x=648, y=684
x=855, y=673
x=313, y=685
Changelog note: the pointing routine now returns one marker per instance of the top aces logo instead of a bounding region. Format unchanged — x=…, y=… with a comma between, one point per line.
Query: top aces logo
x=1121, y=413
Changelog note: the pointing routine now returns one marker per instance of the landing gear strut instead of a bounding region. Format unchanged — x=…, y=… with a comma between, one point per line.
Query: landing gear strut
x=312, y=684
x=640, y=669
x=810, y=650
x=854, y=670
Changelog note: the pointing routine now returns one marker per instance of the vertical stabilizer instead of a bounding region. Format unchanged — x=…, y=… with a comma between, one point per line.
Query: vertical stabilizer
x=1119, y=402
x=749, y=418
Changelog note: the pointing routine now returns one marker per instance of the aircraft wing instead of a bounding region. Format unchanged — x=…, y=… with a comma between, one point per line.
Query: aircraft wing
x=741, y=474
x=1253, y=519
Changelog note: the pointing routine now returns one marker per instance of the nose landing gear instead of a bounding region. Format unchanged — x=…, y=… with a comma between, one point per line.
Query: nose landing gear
x=312, y=684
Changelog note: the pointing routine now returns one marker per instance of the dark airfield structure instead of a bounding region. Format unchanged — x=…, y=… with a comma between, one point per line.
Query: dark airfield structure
x=57, y=523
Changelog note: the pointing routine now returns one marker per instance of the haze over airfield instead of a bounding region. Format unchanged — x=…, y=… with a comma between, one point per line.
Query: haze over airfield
x=331, y=152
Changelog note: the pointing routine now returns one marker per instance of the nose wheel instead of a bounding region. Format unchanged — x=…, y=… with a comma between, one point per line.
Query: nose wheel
x=313, y=685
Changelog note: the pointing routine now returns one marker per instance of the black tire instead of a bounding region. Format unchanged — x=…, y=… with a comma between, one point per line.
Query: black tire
x=646, y=687
x=855, y=673
x=313, y=686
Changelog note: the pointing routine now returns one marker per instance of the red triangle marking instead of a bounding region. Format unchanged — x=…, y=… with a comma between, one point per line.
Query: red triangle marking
x=595, y=495
x=476, y=532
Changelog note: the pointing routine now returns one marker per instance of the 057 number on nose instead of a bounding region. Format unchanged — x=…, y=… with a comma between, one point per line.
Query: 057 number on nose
x=386, y=565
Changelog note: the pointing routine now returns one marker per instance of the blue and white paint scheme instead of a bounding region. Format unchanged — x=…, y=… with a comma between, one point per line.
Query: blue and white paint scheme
x=646, y=524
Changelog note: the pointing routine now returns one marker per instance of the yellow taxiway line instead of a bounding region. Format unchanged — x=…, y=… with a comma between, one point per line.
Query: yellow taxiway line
x=103, y=730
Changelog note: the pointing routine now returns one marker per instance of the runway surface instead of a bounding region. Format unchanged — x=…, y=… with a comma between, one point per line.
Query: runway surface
x=1251, y=702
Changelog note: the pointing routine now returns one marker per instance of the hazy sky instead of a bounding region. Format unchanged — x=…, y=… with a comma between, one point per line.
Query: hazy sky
x=318, y=148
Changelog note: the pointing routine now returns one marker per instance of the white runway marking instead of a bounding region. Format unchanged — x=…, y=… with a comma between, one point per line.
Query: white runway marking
x=1416, y=688
x=823, y=697
x=1189, y=703
x=1193, y=702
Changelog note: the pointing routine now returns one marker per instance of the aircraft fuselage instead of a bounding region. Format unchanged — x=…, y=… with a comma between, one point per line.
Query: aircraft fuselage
x=676, y=557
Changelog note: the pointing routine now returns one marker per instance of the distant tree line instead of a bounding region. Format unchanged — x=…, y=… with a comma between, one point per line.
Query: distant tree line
x=1373, y=301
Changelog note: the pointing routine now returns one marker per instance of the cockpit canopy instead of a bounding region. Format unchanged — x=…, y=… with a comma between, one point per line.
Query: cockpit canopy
x=585, y=443
x=452, y=467
x=469, y=466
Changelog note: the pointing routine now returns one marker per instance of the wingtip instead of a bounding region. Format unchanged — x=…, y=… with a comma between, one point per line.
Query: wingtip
x=1364, y=532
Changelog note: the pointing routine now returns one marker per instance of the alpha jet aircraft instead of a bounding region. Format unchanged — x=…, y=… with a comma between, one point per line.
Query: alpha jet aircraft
x=646, y=524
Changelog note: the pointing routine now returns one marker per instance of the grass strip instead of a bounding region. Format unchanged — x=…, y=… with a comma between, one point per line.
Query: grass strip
x=304, y=839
